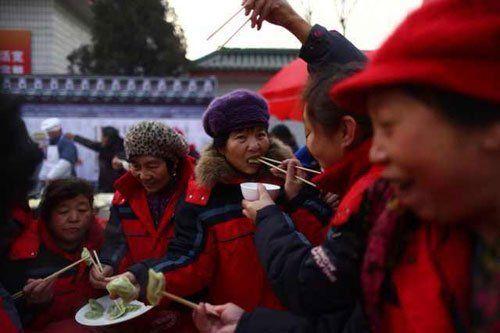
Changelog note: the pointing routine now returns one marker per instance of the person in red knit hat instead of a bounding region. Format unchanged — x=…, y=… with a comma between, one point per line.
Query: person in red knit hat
x=432, y=92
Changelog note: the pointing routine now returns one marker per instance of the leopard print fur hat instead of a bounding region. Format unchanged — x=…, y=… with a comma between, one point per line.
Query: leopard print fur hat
x=153, y=138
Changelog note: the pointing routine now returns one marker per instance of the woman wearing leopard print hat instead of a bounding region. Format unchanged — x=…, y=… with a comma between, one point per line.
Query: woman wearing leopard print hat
x=140, y=223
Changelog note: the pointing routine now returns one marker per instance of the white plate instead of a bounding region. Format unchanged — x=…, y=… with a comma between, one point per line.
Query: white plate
x=104, y=320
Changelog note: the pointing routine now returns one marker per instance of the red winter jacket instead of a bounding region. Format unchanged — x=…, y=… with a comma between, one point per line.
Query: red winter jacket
x=34, y=254
x=416, y=276
x=214, y=246
x=133, y=243
x=131, y=236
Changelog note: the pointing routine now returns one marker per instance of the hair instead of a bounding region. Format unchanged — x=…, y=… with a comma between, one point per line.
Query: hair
x=63, y=189
x=220, y=141
x=322, y=110
x=460, y=110
x=19, y=159
x=113, y=136
x=283, y=133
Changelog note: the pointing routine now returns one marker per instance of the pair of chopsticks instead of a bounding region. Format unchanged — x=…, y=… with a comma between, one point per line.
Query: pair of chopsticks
x=20, y=293
x=225, y=23
x=101, y=270
x=298, y=167
x=185, y=302
x=267, y=161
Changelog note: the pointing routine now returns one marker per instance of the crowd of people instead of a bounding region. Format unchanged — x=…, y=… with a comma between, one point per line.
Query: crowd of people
x=398, y=234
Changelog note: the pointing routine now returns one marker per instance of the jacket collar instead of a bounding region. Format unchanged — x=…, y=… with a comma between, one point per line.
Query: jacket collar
x=339, y=177
x=213, y=168
x=131, y=190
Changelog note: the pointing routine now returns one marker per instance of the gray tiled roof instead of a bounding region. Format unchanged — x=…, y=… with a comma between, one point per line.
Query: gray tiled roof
x=235, y=59
x=110, y=89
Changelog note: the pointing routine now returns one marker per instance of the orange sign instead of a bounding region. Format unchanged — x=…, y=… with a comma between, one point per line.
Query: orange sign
x=15, y=52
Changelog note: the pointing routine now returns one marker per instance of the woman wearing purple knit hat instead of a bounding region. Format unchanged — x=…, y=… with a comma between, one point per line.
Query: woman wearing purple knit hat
x=213, y=248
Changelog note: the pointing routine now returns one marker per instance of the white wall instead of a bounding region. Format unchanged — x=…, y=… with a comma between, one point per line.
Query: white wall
x=69, y=33
x=55, y=31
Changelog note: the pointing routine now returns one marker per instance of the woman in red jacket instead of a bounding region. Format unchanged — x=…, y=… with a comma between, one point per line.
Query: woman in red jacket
x=66, y=225
x=141, y=222
x=432, y=93
x=213, y=248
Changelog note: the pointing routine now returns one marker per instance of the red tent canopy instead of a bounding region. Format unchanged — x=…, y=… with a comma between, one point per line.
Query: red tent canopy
x=284, y=90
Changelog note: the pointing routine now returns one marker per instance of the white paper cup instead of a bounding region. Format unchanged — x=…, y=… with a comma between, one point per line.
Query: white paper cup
x=251, y=193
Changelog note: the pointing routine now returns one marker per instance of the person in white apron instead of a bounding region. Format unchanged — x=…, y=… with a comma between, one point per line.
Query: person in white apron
x=60, y=155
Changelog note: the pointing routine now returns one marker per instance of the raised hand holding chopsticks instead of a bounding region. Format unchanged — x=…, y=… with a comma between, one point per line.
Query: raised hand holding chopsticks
x=278, y=12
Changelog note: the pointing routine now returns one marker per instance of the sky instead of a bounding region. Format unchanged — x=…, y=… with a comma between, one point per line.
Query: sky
x=369, y=23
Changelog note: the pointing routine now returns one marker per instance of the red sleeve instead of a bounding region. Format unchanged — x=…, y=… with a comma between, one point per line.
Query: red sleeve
x=309, y=225
x=196, y=273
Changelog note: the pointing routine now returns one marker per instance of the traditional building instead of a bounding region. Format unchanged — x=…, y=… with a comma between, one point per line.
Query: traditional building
x=242, y=68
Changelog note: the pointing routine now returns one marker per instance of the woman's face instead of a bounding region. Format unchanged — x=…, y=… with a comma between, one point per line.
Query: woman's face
x=438, y=169
x=326, y=148
x=70, y=221
x=244, y=145
x=152, y=172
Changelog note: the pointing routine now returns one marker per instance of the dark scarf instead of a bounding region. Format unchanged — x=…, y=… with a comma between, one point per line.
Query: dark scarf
x=157, y=202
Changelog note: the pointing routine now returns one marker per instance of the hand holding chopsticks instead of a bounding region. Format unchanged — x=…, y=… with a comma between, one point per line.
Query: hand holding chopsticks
x=85, y=256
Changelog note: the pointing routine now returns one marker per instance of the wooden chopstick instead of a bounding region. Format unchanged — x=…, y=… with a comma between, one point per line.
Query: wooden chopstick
x=234, y=34
x=284, y=171
x=17, y=295
x=180, y=300
x=98, y=262
x=185, y=302
x=99, y=267
x=59, y=272
x=298, y=167
x=224, y=24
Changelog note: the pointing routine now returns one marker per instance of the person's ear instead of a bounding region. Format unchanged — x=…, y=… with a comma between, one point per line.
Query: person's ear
x=348, y=127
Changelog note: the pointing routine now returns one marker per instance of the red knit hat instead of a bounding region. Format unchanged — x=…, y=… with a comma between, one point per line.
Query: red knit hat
x=449, y=44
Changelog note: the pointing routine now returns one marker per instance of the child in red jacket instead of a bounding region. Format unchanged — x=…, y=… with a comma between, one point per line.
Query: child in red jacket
x=66, y=225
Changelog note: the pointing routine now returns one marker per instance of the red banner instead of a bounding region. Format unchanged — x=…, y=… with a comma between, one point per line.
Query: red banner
x=15, y=52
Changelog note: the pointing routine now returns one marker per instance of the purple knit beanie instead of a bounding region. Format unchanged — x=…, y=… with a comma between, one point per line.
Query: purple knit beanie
x=236, y=110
